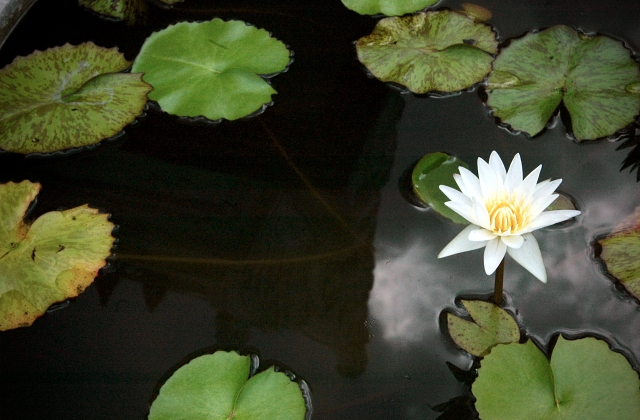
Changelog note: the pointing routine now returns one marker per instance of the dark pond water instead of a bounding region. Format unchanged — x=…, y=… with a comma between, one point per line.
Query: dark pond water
x=287, y=234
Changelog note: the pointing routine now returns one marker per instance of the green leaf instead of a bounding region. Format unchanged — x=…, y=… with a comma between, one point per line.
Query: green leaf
x=53, y=259
x=217, y=387
x=443, y=51
x=621, y=253
x=130, y=11
x=66, y=97
x=211, y=68
x=492, y=325
x=595, y=76
x=430, y=172
x=387, y=7
x=563, y=202
x=584, y=380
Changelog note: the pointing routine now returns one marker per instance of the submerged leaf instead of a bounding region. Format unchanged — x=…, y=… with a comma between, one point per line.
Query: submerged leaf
x=595, y=77
x=492, y=325
x=584, y=380
x=387, y=7
x=53, y=259
x=621, y=253
x=430, y=172
x=217, y=387
x=130, y=11
x=211, y=68
x=66, y=97
x=443, y=51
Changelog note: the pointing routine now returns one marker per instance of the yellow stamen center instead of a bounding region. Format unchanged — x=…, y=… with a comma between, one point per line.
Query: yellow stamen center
x=506, y=214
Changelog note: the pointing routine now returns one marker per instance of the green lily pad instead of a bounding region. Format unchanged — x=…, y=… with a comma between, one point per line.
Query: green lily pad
x=211, y=68
x=53, y=259
x=387, y=7
x=621, y=253
x=129, y=11
x=430, y=172
x=66, y=97
x=595, y=77
x=444, y=51
x=492, y=325
x=584, y=380
x=218, y=387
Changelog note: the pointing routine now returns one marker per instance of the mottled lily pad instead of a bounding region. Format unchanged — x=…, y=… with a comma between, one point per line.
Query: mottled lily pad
x=442, y=51
x=54, y=258
x=491, y=325
x=430, y=172
x=219, y=387
x=621, y=253
x=129, y=11
x=584, y=380
x=211, y=69
x=595, y=77
x=66, y=97
x=387, y=7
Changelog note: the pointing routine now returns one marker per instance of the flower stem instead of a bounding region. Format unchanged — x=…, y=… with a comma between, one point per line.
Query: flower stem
x=497, y=290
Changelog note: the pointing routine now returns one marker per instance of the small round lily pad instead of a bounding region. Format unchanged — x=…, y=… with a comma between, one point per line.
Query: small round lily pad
x=219, y=387
x=583, y=380
x=67, y=97
x=595, y=77
x=491, y=325
x=54, y=258
x=443, y=51
x=129, y=11
x=387, y=7
x=211, y=69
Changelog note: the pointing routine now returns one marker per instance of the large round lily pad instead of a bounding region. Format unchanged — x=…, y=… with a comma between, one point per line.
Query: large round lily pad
x=595, y=77
x=211, y=69
x=621, y=253
x=66, y=97
x=491, y=325
x=584, y=380
x=218, y=387
x=55, y=258
x=444, y=51
x=387, y=7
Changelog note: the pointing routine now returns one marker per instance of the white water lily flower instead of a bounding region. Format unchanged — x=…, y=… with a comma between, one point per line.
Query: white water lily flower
x=503, y=209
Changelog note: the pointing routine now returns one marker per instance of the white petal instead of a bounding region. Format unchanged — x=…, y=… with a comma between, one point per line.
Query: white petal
x=488, y=178
x=496, y=164
x=548, y=218
x=514, y=175
x=462, y=209
x=481, y=235
x=480, y=214
x=462, y=185
x=528, y=185
x=545, y=188
x=493, y=255
x=455, y=195
x=471, y=182
x=539, y=205
x=461, y=243
x=512, y=241
x=528, y=256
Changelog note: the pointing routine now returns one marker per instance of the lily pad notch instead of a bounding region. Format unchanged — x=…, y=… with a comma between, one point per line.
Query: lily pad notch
x=214, y=69
x=50, y=260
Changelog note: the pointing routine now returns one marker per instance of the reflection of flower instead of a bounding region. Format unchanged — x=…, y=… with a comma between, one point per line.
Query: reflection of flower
x=503, y=210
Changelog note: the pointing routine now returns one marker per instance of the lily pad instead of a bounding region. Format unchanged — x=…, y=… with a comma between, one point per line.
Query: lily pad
x=53, y=259
x=492, y=325
x=621, y=253
x=129, y=11
x=444, y=51
x=584, y=380
x=595, y=77
x=212, y=68
x=387, y=7
x=430, y=172
x=66, y=97
x=218, y=387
